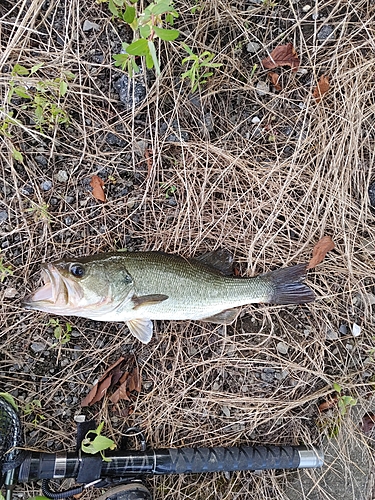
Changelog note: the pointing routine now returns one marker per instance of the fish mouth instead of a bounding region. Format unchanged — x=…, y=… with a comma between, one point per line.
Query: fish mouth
x=57, y=291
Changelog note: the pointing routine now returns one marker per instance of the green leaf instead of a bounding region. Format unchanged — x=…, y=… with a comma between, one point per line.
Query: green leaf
x=152, y=50
x=112, y=8
x=63, y=88
x=17, y=155
x=336, y=387
x=149, y=61
x=35, y=68
x=20, y=70
x=22, y=92
x=129, y=14
x=138, y=48
x=9, y=399
x=167, y=35
x=161, y=7
x=145, y=31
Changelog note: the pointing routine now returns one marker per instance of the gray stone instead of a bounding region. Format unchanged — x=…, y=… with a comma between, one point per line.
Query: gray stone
x=88, y=25
x=253, y=47
x=37, y=346
x=343, y=329
x=371, y=194
x=282, y=348
x=46, y=185
x=62, y=176
x=3, y=216
x=326, y=32
x=262, y=88
x=331, y=335
x=131, y=91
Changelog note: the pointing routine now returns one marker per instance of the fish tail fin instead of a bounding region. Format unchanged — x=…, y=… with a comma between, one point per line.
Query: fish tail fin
x=288, y=286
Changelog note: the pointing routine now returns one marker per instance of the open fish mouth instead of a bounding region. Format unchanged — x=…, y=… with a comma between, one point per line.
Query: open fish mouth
x=57, y=291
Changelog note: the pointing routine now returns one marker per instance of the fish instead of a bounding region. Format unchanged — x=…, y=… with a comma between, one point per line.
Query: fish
x=139, y=287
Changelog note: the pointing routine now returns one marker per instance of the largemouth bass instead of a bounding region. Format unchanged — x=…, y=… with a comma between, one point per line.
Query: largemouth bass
x=143, y=286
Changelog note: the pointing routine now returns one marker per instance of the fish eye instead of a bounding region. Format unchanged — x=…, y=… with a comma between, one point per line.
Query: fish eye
x=77, y=270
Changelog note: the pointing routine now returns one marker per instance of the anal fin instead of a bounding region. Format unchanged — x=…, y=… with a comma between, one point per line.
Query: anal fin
x=224, y=317
x=141, y=329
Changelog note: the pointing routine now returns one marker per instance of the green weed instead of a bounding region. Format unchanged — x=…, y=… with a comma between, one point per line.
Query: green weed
x=198, y=74
x=99, y=444
x=39, y=212
x=147, y=25
x=5, y=271
x=33, y=408
x=61, y=333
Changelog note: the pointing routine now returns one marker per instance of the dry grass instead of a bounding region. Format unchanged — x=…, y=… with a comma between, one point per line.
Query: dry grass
x=265, y=191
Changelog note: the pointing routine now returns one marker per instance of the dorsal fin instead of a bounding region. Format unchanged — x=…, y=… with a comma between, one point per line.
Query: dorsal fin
x=220, y=259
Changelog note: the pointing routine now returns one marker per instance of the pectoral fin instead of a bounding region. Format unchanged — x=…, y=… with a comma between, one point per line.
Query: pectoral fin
x=148, y=299
x=224, y=317
x=141, y=329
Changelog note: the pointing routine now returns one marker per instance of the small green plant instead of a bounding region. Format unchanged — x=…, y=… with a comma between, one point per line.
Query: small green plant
x=147, y=27
x=198, y=74
x=33, y=408
x=61, y=333
x=99, y=444
x=5, y=271
x=169, y=190
x=343, y=402
x=42, y=97
x=5, y=125
x=39, y=212
x=269, y=4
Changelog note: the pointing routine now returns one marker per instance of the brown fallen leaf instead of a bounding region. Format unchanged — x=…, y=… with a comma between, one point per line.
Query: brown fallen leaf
x=274, y=77
x=124, y=372
x=282, y=55
x=326, y=405
x=322, y=88
x=368, y=423
x=97, y=188
x=320, y=250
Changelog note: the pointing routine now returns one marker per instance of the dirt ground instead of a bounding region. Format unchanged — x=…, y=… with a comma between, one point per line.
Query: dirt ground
x=261, y=169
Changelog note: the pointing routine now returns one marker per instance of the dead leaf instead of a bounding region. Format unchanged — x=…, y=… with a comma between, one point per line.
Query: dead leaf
x=274, y=77
x=322, y=88
x=326, y=405
x=97, y=188
x=282, y=55
x=124, y=372
x=368, y=423
x=320, y=250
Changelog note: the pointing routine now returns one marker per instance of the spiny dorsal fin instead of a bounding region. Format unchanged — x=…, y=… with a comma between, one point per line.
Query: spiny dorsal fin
x=220, y=259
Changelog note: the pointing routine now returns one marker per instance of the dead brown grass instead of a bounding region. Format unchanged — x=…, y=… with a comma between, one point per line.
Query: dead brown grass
x=265, y=191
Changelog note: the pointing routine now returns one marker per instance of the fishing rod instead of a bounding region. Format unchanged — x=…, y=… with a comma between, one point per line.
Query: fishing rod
x=127, y=468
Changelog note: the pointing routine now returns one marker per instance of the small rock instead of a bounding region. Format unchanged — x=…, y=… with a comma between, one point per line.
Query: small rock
x=42, y=160
x=343, y=329
x=326, y=32
x=315, y=16
x=268, y=375
x=62, y=176
x=114, y=140
x=253, y=47
x=356, y=330
x=10, y=293
x=349, y=347
x=46, y=185
x=37, y=346
x=281, y=375
x=215, y=386
x=131, y=91
x=331, y=335
x=262, y=88
x=3, y=216
x=255, y=120
x=68, y=220
x=88, y=25
x=245, y=388
x=282, y=348
x=371, y=194
x=226, y=411
x=307, y=331
x=306, y=8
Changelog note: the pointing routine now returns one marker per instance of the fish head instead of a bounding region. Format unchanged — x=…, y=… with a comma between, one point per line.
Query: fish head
x=86, y=287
